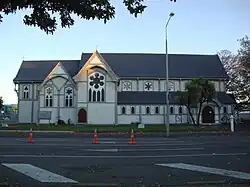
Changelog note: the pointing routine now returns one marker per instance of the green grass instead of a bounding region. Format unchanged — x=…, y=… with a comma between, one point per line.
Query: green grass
x=118, y=128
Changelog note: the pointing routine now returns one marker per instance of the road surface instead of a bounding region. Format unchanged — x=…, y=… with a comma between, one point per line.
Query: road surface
x=75, y=161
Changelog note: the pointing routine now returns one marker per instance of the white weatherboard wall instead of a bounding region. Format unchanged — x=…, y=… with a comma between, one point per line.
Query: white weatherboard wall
x=128, y=119
x=24, y=113
x=68, y=113
x=101, y=113
x=152, y=119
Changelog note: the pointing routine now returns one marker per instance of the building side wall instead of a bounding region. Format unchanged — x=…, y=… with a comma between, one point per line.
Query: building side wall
x=160, y=84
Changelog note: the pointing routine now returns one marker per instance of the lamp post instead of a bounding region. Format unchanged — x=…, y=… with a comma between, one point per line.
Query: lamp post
x=167, y=89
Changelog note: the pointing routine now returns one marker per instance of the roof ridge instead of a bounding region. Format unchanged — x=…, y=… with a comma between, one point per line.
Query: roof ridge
x=149, y=53
x=49, y=60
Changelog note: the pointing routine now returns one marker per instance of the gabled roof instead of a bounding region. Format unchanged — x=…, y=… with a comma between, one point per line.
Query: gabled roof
x=158, y=98
x=127, y=65
x=38, y=70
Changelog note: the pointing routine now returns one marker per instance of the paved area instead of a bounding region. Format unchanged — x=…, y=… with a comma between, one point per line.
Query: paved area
x=75, y=161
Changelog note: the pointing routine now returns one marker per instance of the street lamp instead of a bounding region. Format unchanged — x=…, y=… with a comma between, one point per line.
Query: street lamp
x=167, y=89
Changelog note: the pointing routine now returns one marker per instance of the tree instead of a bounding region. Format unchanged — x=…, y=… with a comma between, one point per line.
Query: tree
x=197, y=92
x=1, y=105
x=85, y=9
x=237, y=67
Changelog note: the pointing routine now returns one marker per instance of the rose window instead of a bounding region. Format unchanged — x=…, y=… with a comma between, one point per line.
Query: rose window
x=96, y=80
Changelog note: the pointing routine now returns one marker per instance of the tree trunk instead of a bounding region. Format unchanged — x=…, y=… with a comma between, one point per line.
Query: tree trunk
x=191, y=115
x=199, y=114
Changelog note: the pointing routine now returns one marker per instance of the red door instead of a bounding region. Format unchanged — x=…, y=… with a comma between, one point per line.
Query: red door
x=82, y=116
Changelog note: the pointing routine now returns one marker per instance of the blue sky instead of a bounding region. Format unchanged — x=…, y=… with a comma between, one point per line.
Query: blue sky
x=198, y=27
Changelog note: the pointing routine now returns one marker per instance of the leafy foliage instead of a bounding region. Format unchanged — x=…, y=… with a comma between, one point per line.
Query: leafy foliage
x=84, y=9
x=197, y=92
x=238, y=69
x=1, y=103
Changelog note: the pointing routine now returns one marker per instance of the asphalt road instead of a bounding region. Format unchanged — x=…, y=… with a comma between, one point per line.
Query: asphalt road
x=74, y=160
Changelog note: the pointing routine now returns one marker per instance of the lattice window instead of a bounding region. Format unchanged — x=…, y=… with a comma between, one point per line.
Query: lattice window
x=96, y=87
x=171, y=86
x=127, y=86
x=26, y=92
x=148, y=86
x=69, y=97
x=48, y=97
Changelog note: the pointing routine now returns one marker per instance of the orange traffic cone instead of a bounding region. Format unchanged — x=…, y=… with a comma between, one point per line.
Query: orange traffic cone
x=30, y=140
x=132, y=137
x=95, y=140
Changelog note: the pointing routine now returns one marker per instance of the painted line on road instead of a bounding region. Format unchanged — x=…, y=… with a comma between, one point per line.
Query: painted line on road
x=39, y=174
x=143, y=150
x=103, y=150
x=122, y=156
x=223, y=172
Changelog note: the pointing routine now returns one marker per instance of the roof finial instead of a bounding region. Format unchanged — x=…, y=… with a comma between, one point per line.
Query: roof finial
x=96, y=48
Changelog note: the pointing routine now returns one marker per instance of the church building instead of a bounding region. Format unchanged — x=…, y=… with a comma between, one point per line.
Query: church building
x=117, y=88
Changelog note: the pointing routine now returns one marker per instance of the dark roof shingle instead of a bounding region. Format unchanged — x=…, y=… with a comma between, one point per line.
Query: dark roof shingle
x=154, y=98
x=133, y=65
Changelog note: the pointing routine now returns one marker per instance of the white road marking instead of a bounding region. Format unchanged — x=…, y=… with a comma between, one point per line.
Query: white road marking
x=108, y=142
x=223, y=172
x=149, y=150
x=104, y=150
x=161, y=149
x=121, y=156
x=39, y=174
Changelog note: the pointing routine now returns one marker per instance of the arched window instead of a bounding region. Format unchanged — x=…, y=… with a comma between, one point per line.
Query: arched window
x=48, y=97
x=224, y=109
x=132, y=110
x=26, y=92
x=147, y=110
x=96, y=87
x=69, y=97
x=171, y=110
x=156, y=110
x=180, y=110
x=123, y=110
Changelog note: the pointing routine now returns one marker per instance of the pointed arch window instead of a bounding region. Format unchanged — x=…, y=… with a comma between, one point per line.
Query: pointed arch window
x=180, y=110
x=171, y=110
x=123, y=110
x=156, y=110
x=26, y=92
x=96, y=87
x=48, y=97
x=132, y=110
x=69, y=97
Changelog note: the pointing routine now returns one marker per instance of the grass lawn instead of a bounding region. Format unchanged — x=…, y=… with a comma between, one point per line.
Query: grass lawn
x=118, y=128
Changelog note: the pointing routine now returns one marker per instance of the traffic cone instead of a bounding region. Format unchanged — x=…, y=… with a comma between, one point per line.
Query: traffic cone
x=95, y=140
x=132, y=137
x=30, y=140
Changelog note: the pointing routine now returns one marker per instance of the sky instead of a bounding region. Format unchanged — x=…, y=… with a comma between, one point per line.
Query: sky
x=198, y=27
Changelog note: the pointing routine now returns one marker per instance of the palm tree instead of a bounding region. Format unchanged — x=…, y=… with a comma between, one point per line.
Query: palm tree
x=206, y=94
x=198, y=91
